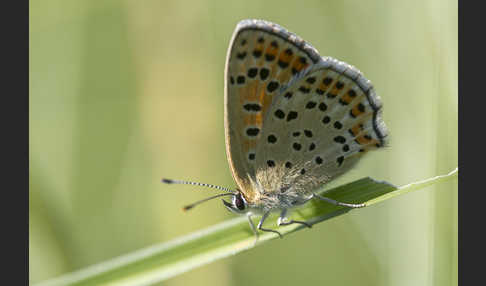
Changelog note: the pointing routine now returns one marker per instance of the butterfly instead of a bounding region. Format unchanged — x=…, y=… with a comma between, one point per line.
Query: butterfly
x=293, y=122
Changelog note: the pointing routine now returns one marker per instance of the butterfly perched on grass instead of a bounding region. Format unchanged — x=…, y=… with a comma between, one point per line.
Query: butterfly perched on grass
x=293, y=122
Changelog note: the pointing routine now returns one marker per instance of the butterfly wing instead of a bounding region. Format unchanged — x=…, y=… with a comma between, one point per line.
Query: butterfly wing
x=318, y=128
x=293, y=118
x=263, y=58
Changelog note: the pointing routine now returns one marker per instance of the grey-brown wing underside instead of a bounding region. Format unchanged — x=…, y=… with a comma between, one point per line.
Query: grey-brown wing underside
x=318, y=128
x=262, y=59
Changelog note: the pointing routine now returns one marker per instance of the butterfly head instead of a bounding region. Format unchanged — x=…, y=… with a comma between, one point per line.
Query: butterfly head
x=238, y=203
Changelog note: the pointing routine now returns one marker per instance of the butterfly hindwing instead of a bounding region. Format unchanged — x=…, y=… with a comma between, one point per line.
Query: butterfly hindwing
x=331, y=117
x=263, y=59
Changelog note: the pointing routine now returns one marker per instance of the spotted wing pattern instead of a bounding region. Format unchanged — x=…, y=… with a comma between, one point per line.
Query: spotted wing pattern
x=262, y=59
x=318, y=128
x=293, y=118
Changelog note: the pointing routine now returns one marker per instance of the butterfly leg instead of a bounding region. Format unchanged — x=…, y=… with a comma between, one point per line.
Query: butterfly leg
x=334, y=202
x=282, y=220
x=252, y=226
x=266, y=229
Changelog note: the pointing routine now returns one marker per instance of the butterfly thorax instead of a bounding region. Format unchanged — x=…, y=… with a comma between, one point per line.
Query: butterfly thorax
x=277, y=201
x=277, y=188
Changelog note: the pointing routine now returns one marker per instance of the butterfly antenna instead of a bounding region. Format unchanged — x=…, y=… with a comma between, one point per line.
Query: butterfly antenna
x=188, y=207
x=169, y=181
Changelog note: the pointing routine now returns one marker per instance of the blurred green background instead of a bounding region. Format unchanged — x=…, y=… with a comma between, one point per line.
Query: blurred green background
x=123, y=93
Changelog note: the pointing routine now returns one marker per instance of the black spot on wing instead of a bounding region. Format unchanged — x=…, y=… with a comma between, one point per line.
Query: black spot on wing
x=338, y=125
x=311, y=80
x=252, y=107
x=310, y=104
x=340, y=160
x=252, y=72
x=312, y=146
x=292, y=115
x=264, y=72
x=279, y=114
x=272, y=86
x=282, y=65
x=327, y=80
x=241, y=56
x=240, y=79
x=297, y=146
x=269, y=57
x=304, y=89
x=339, y=139
x=308, y=133
x=252, y=131
x=272, y=139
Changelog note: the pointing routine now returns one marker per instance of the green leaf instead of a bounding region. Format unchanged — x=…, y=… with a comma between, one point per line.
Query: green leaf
x=166, y=260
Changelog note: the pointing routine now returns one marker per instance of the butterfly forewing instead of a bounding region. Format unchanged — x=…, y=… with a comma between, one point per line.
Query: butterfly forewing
x=263, y=58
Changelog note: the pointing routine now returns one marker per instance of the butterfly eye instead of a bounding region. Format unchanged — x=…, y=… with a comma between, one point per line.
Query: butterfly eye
x=239, y=203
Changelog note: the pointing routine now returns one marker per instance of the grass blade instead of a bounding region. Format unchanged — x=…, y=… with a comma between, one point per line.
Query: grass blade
x=166, y=260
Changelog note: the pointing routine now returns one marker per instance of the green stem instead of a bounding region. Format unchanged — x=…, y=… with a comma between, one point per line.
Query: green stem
x=166, y=260
x=415, y=186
